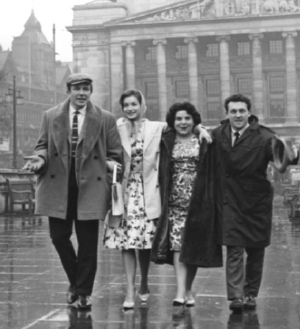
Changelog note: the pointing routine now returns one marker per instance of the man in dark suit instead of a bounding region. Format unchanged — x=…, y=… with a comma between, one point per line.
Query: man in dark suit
x=76, y=140
x=244, y=200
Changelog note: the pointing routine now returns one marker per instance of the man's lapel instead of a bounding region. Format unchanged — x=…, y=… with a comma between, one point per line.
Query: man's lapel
x=61, y=127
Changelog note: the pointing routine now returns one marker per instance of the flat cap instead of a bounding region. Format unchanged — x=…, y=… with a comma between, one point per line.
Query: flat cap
x=77, y=78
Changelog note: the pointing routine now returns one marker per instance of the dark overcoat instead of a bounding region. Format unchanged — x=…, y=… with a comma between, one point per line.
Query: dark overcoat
x=98, y=141
x=200, y=235
x=245, y=194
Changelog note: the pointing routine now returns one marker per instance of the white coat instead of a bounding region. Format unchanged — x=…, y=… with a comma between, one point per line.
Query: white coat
x=151, y=155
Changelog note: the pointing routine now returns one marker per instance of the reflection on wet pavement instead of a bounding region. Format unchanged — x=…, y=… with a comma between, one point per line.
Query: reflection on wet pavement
x=33, y=286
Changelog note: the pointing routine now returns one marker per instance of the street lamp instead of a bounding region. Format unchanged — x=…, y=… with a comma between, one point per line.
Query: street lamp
x=14, y=96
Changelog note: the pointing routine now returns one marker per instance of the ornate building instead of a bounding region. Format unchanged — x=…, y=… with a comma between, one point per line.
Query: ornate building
x=31, y=61
x=196, y=50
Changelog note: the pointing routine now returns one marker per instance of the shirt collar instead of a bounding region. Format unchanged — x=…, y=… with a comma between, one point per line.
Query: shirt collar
x=81, y=111
x=233, y=131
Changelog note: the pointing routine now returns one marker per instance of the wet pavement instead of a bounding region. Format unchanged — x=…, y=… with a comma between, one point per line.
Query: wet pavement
x=33, y=286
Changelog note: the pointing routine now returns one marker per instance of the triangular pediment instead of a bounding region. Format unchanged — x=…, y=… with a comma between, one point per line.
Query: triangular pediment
x=179, y=11
x=194, y=10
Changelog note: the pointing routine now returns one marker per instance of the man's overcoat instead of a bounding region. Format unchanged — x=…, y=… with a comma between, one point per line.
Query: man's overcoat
x=244, y=193
x=99, y=140
x=199, y=242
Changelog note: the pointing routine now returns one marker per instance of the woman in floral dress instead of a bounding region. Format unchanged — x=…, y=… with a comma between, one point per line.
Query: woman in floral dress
x=181, y=160
x=141, y=141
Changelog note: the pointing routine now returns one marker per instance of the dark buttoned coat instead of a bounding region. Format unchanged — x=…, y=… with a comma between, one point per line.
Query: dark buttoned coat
x=99, y=140
x=245, y=195
x=200, y=237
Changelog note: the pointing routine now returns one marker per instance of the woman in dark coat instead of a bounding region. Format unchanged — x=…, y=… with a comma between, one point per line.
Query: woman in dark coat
x=186, y=234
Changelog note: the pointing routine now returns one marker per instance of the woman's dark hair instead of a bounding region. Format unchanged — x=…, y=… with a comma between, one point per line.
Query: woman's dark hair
x=237, y=98
x=130, y=92
x=185, y=106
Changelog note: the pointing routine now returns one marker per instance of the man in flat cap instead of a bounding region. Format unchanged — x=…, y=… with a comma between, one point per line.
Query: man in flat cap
x=73, y=184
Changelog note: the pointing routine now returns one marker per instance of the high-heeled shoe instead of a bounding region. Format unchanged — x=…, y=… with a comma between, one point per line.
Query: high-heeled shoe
x=144, y=297
x=128, y=306
x=178, y=302
x=189, y=300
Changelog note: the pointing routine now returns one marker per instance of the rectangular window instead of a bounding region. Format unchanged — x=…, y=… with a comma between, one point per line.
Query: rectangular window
x=213, y=110
x=245, y=86
x=151, y=89
x=151, y=54
x=212, y=87
x=276, y=47
x=243, y=48
x=182, y=88
x=182, y=52
x=277, y=85
x=277, y=108
x=212, y=50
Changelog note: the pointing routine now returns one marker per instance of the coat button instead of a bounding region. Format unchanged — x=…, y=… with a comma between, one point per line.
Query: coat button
x=99, y=178
x=96, y=157
x=52, y=176
x=56, y=154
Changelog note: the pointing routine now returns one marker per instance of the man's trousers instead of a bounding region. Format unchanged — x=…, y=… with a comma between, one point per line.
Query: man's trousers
x=80, y=267
x=243, y=280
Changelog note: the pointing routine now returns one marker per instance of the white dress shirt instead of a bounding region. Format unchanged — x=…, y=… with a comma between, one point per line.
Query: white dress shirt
x=80, y=117
x=233, y=131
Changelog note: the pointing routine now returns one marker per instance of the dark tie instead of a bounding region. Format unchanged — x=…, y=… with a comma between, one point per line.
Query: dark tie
x=75, y=133
x=237, y=136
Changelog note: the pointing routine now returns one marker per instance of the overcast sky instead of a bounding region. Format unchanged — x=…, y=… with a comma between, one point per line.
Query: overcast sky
x=14, y=14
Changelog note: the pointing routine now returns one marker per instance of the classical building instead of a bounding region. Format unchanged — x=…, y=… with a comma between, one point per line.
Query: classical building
x=201, y=51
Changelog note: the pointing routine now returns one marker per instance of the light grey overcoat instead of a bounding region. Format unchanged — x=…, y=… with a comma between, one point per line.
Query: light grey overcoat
x=99, y=140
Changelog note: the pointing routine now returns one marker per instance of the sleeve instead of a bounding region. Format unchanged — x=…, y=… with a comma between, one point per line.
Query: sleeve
x=113, y=143
x=41, y=148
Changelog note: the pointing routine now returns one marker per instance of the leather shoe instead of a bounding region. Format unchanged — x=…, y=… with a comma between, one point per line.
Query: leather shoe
x=84, y=302
x=236, y=305
x=249, y=303
x=71, y=295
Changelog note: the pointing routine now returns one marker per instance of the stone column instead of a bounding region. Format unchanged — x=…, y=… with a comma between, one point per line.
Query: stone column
x=116, y=73
x=193, y=69
x=130, y=64
x=291, y=77
x=161, y=77
x=257, y=81
x=224, y=66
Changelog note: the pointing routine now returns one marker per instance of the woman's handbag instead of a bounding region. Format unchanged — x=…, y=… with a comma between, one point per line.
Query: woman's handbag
x=117, y=198
x=114, y=216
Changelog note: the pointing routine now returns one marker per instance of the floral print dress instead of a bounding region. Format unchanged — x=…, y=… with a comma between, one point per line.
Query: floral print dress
x=183, y=173
x=136, y=231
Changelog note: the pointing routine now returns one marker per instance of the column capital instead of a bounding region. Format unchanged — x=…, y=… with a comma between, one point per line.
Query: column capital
x=289, y=33
x=253, y=36
x=157, y=41
x=191, y=40
x=221, y=38
x=128, y=43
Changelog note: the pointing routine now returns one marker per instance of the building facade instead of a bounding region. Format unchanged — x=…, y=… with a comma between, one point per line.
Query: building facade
x=40, y=83
x=198, y=51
